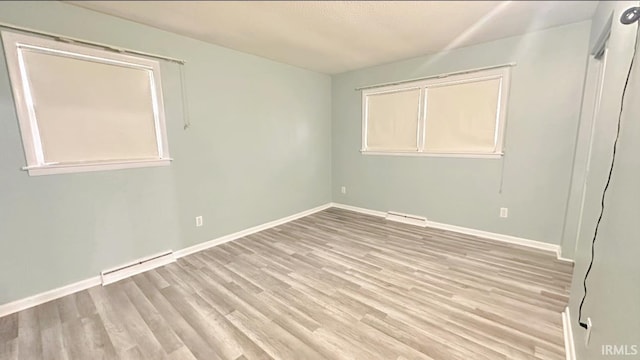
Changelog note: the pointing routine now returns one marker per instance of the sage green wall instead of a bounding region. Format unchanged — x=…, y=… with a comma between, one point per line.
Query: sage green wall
x=259, y=149
x=613, y=301
x=542, y=121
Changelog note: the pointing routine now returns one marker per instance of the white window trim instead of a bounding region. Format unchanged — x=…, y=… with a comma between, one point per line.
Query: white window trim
x=502, y=73
x=434, y=154
x=13, y=45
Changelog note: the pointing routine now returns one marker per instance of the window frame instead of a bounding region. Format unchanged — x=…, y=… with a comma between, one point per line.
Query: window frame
x=502, y=73
x=14, y=44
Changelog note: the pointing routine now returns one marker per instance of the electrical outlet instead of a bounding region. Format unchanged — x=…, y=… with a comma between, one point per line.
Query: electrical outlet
x=504, y=212
x=198, y=221
x=587, y=336
x=344, y=189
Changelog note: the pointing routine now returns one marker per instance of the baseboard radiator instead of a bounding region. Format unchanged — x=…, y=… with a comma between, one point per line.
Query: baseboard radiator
x=406, y=218
x=136, y=267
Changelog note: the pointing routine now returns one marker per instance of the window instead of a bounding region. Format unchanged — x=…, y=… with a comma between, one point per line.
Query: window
x=84, y=109
x=454, y=115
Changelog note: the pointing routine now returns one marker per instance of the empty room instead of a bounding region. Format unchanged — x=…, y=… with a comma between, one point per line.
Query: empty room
x=319, y=180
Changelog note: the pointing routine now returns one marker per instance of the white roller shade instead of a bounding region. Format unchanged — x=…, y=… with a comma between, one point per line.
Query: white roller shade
x=91, y=111
x=85, y=109
x=392, y=120
x=462, y=118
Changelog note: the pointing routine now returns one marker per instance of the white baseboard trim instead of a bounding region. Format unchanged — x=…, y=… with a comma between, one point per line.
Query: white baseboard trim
x=359, y=209
x=495, y=236
x=249, y=231
x=22, y=304
x=569, y=345
x=463, y=230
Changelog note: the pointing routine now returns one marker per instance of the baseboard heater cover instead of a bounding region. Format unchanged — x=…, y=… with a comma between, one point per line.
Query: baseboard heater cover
x=406, y=218
x=136, y=267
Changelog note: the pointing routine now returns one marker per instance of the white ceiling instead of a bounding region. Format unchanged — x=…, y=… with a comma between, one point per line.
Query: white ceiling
x=337, y=36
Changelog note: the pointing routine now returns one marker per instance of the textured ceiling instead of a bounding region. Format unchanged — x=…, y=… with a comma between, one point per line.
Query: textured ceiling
x=337, y=36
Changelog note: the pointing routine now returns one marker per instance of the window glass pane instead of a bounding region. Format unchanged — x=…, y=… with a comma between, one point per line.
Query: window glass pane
x=461, y=118
x=90, y=111
x=392, y=120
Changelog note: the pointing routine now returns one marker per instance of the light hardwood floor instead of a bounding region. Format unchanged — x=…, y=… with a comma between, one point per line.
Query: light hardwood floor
x=333, y=285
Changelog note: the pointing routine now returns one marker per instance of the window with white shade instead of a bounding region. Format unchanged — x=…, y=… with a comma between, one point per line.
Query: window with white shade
x=85, y=109
x=454, y=115
x=392, y=122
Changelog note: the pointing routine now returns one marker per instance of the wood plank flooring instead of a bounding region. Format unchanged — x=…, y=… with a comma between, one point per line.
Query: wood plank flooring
x=333, y=285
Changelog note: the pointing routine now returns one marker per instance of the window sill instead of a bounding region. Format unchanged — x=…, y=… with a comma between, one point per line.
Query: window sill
x=422, y=154
x=97, y=166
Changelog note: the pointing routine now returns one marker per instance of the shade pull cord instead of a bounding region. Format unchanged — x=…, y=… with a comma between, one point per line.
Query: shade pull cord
x=185, y=99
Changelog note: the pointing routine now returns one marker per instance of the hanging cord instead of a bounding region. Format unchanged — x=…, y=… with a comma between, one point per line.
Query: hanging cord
x=504, y=157
x=183, y=91
x=606, y=187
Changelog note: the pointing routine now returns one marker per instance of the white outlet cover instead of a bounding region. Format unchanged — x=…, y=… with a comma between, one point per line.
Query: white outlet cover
x=344, y=189
x=504, y=212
